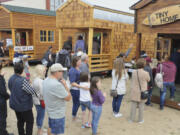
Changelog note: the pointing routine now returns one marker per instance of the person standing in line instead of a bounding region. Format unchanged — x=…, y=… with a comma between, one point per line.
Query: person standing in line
x=26, y=67
x=151, y=83
x=169, y=74
x=56, y=93
x=21, y=100
x=85, y=99
x=47, y=59
x=40, y=71
x=4, y=96
x=119, y=78
x=140, y=79
x=84, y=64
x=80, y=44
x=98, y=98
x=74, y=77
x=176, y=59
x=68, y=43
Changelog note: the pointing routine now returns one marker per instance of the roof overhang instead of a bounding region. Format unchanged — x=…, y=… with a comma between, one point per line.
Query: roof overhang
x=141, y=4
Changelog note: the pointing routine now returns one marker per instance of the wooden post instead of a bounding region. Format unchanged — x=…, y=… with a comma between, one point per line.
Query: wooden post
x=138, y=45
x=27, y=38
x=101, y=43
x=60, y=39
x=11, y=51
x=90, y=41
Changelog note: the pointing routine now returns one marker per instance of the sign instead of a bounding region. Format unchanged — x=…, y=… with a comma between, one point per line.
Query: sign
x=163, y=16
x=9, y=42
x=23, y=48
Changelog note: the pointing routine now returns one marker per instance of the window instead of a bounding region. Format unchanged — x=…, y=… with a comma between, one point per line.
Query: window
x=46, y=36
x=43, y=36
x=50, y=36
x=163, y=46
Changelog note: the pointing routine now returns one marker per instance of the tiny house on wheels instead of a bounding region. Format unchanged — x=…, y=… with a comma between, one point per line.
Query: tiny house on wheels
x=157, y=26
x=111, y=29
x=28, y=30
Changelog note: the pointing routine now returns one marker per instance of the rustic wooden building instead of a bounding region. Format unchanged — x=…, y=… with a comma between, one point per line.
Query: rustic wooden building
x=30, y=31
x=114, y=29
x=157, y=26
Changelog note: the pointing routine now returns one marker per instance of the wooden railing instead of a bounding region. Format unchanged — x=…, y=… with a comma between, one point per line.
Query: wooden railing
x=100, y=62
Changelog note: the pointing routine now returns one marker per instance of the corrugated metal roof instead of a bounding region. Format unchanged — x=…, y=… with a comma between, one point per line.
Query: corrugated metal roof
x=29, y=10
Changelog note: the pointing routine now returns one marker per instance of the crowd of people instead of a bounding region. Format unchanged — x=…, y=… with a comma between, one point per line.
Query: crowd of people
x=49, y=90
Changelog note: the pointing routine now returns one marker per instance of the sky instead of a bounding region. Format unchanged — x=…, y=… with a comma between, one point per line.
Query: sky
x=122, y=5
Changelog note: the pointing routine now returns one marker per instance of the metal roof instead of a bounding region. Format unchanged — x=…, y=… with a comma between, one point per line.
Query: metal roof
x=29, y=10
x=106, y=12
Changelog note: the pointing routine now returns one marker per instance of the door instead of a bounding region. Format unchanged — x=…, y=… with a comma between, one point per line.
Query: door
x=162, y=47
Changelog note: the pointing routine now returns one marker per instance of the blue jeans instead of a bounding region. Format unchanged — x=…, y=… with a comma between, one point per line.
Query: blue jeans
x=96, y=114
x=149, y=96
x=116, y=103
x=166, y=85
x=57, y=126
x=40, y=116
x=76, y=103
x=85, y=105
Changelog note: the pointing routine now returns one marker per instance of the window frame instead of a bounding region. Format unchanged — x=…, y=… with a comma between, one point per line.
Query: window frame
x=47, y=36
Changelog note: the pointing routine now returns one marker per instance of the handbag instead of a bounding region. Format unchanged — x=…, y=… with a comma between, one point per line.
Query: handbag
x=144, y=94
x=159, y=78
x=42, y=103
x=114, y=93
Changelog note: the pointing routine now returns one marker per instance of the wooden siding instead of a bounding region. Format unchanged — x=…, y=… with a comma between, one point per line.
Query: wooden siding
x=144, y=12
x=4, y=19
x=44, y=23
x=22, y=21
x=74, y=15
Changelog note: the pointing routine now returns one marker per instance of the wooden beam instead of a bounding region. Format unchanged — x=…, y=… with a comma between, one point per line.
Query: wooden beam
x=101, y=43
x=11, y=51
x=90, y=41
x=27, y=38
x=138, y=45
x=60, y=39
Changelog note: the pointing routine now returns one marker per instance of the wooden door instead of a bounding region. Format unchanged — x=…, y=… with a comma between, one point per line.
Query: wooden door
x=162, y=47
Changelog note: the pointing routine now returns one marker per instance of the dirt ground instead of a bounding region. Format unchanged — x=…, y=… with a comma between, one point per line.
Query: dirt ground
x=156, y=122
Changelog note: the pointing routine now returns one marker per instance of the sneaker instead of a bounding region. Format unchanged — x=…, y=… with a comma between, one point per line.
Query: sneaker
x=83, y=126
x=118, y=115
x=172, y=99
x=141, y=122
x=88, y=125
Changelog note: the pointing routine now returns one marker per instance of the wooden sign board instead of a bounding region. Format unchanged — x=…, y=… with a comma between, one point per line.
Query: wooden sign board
x=163, y=16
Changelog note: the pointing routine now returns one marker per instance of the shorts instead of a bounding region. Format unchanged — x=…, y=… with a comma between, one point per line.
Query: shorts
x=85, y=105
x=57, y=125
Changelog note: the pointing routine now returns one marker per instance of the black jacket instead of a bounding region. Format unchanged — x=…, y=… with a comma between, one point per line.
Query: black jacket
x=3, y=91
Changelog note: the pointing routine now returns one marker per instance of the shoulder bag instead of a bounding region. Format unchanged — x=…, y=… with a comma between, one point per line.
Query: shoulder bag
x=144, y=94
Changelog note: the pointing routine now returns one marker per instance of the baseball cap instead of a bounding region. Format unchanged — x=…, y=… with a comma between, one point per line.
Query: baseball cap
x=57, y=67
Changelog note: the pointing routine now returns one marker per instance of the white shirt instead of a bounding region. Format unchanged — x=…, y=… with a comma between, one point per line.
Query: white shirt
x=85, y=95
x=121, y=87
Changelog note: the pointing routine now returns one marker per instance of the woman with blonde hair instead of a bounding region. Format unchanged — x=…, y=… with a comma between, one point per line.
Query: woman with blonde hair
x=119, y=78
x=40, y=71
x=140, y=79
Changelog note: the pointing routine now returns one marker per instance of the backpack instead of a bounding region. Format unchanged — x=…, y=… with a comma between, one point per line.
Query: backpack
x=159, y=78
x=64, y=60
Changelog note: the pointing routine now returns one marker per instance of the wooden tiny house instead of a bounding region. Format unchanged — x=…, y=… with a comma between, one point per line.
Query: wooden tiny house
x=31, y=31
x=157, y=26
x=114, y=28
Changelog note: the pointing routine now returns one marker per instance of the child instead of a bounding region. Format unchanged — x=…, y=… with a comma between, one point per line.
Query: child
x=85, y=99
x=26, y=67
x=97, y=100
x=119, y=78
